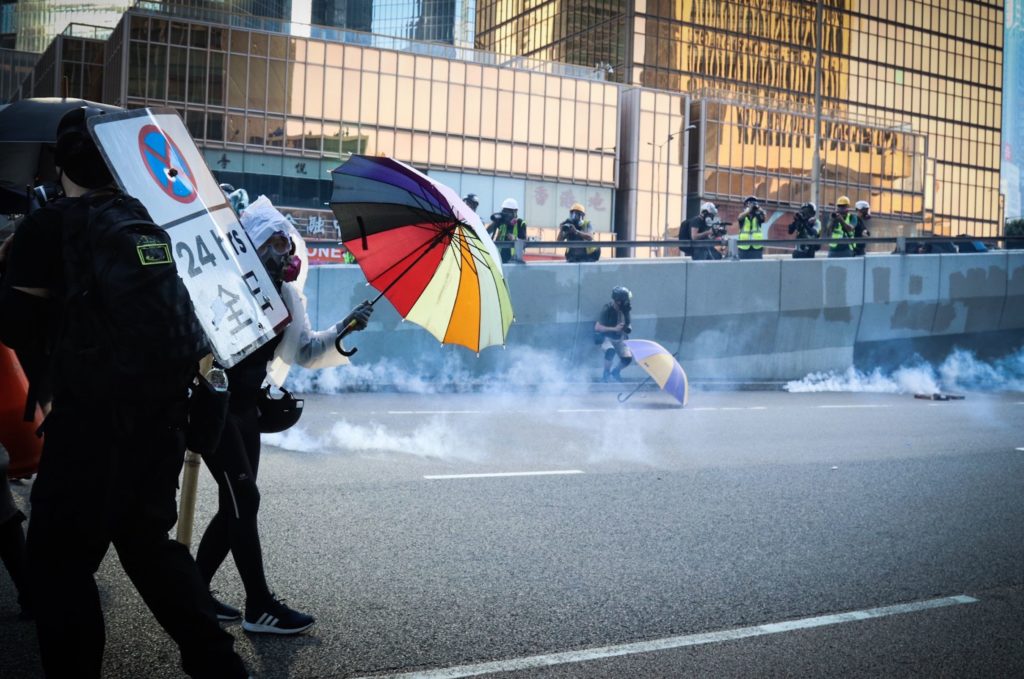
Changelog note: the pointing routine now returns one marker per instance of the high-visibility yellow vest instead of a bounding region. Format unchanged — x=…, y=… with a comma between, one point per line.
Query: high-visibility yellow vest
x=839, y=232
x=517, y=224
x=750, y=230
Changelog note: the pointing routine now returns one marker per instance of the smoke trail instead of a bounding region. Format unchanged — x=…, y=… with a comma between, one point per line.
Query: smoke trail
x=546, y=371
x=435, y=439
x=960, y=371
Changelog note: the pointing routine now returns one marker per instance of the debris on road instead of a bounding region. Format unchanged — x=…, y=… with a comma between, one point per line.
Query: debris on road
x=940, y=397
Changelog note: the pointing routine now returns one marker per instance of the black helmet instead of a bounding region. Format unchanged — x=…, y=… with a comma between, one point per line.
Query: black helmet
x=76, y=153
x=621, y=294
x=278, y=414
x=750, y=200
x=809, y=209
x=471, y=200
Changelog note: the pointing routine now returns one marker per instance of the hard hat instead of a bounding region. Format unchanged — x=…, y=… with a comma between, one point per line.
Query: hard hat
x=710, y=209
x=576, y=207
x=750, y=199
x=843, y=200
x=509, y=204
x=621, y=293
x=862, y=205
x=277, y=414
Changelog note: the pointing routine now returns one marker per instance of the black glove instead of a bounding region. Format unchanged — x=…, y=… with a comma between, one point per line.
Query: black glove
x=358, y=319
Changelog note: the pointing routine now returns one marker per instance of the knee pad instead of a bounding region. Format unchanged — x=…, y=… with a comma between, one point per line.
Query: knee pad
x=626, y=360
x=609, y=354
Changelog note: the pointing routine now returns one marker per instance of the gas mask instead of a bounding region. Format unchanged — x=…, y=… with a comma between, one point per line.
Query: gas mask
x=576, y=217
x=280, y=260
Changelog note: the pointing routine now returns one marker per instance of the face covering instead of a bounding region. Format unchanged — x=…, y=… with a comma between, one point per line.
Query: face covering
x=282, y=267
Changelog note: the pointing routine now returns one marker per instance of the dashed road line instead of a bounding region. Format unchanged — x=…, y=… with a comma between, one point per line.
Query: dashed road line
x=855, y=405
x=553, y=472
x=668, y=643
x=436, y=412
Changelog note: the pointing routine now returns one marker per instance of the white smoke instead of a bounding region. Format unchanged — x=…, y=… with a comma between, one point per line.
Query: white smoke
x=961, y=371
x=546, y=371
x=437, y=438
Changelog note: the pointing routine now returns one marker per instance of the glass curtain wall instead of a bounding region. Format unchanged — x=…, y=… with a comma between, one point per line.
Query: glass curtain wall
x=934, y=67
x=267, y=95
x=931, y=66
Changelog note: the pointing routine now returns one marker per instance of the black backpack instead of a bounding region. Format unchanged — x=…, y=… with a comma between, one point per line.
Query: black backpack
x=127, y=327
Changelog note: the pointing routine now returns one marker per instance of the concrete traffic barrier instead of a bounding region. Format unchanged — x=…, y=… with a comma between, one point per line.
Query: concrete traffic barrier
x=732, y=314
x=819, y=313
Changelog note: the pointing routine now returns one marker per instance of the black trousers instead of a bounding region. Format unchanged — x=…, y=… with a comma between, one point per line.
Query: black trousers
x=108, y=475
x=234, y=528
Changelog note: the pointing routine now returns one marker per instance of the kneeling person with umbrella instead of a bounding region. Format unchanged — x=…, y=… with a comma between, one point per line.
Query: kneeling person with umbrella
x=614, y=323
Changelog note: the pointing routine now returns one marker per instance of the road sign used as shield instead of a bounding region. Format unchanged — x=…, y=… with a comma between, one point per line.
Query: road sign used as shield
x=153, y=158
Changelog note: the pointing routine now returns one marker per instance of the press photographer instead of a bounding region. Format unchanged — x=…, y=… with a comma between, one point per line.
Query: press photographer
x=577, y=228
x=860, y=229
x=507, y=226
x=704, y=226
x=751, y=221
x=805, y=225
x=841, y=225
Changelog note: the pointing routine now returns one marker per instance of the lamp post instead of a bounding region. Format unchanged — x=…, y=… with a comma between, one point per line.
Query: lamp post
x=685, y=131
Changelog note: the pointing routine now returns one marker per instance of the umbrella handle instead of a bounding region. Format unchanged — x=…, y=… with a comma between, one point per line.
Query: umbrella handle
x=623, y=399
x=341, y=335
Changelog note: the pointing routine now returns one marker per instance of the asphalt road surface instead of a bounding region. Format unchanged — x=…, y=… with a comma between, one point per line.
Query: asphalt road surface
x=750, y=534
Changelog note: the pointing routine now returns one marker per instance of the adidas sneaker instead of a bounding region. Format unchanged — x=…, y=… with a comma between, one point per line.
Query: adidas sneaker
x=275, y=618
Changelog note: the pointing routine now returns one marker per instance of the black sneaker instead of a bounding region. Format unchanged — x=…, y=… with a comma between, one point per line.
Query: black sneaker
x=224, y=612
x=275, y=618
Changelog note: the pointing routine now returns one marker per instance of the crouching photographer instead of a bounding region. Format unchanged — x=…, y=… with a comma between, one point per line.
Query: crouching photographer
x=578, y=228
x=704, y=226
x=612, y=330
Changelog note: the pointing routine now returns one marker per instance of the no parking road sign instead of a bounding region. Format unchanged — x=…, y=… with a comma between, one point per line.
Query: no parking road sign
x=152, y=157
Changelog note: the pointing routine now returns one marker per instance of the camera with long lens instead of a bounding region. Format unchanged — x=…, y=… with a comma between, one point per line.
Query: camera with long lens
x=718, y=229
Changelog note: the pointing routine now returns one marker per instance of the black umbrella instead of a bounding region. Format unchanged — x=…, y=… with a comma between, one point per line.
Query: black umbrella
x=27, y=129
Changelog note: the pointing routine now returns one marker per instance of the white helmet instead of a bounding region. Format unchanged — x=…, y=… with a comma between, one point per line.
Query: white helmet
x=862, y=205
x=509, y=204
x=710, y=209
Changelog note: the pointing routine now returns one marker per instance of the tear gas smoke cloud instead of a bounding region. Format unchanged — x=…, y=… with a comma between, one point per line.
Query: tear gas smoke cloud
x=961, y=371
x=521, y=367
x=437, y=438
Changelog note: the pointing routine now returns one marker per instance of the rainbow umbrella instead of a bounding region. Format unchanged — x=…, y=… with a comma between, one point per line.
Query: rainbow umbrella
x=662, y=367
x=423, y=249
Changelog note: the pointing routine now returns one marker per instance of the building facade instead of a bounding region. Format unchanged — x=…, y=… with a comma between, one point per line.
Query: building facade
x=898, y=102
x=275, y=111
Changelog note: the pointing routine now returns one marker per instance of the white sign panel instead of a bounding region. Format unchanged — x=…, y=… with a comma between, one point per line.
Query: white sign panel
x=153, y=158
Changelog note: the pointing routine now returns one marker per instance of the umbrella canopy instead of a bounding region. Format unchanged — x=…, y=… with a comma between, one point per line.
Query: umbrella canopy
x=662, y=367
x=423, y=249
x=27, y=127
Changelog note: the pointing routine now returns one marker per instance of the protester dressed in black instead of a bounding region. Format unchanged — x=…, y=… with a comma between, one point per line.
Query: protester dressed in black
x=235, y=464
x=111, y=456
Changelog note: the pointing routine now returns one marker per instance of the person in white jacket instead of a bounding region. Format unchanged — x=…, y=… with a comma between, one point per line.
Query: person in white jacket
x=236, y=461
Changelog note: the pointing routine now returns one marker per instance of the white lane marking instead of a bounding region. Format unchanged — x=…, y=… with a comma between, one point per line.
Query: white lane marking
x=707, y=408
x=1021, y=450
x=855, y=406
x=501, y=474
x=583, y=410
x=436, y=412
x=585, y=655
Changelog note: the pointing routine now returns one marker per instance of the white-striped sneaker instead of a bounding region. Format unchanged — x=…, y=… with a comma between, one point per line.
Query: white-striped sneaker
x=275, y=618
